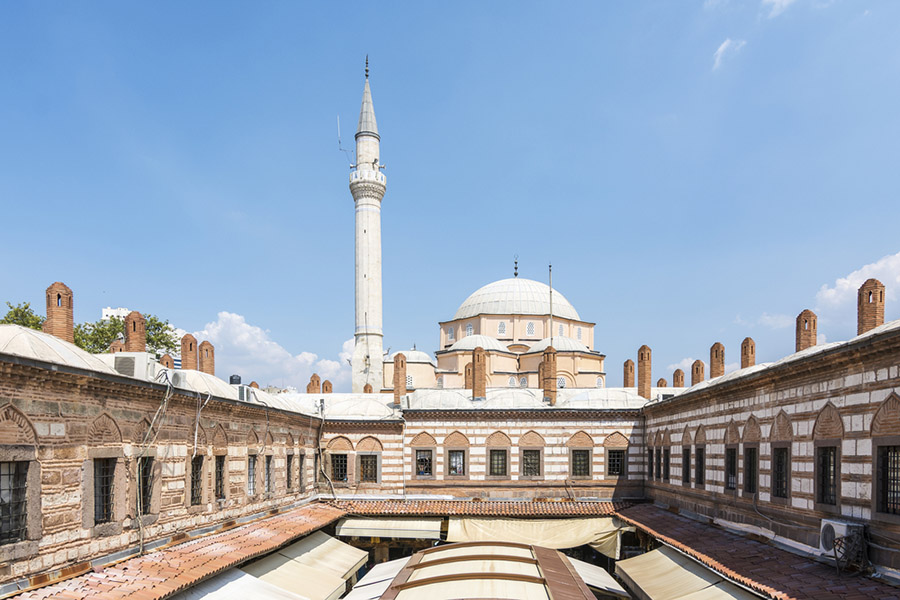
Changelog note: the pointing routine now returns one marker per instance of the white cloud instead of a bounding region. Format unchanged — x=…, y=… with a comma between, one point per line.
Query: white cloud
x=775, y=321
x=776, y=6
x=728, y=47
x=684, y=364
x=836, y=303
x=249, y=351
x=731, y=367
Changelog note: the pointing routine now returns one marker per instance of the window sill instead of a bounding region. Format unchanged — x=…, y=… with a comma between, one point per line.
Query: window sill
x=832, y=509
x=106, y=529
x=194, y=509
x=19, y=550
x=531, y=477
x=779, y=500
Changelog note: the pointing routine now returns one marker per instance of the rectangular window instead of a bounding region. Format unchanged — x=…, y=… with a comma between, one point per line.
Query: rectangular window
x=730, y=468
x=290, y=472
x=667, y=464
x=424, y=463
x=13, y=477
x=615, y=462
x=780, y=479
x=498, y=463
x=251, y=475
x=531, y=463
x=457, y=464
x=889, y=479
x=686, y=466
x=339, y=467
x=751, y=464
x=270, y=483
x=581, y=463
x=104, y=474
x=368, y=468
x=196, y=480
x=659, y=463
x=302, y=475
x=145, y=484
x=700, y=466
x=826, y=469
x=220, y=478
x=650, y=463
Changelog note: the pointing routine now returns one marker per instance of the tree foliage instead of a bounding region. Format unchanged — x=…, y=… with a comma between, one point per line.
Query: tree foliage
x=97, y=336
x=22, y=314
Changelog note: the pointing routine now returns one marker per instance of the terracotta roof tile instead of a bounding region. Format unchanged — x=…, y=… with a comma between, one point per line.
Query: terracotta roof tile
x=489, y=508
x=769, y=570
x=160, y=574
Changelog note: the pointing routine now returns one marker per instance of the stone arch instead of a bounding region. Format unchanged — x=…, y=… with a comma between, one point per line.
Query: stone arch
x=456, y=439
x=252, y=439
x=686, y=436
x=340, y=444
x=220, y=438
x=423, y=439
x=201, y=437
x=752, y=431
x=666, y=438
x=829, y=424
x=533, y=439
x=782, y=430
x=887, y=419
x=369, y=444
x=615, y=440
x=270, y=441
x=104, y=430
x=289, y=440
x=498, y=438
x=658, y=439
x=580, y=440
x=700, y=436
x=139, y=431
x=732, y=434
x=15, y=428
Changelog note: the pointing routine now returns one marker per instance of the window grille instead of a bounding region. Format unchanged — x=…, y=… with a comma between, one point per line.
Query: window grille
x=196, y=480
x=578, y=333
x=104, y=475
x=827, y=474
x=686, y=466
x=599, y=382
x=659, y=463
x=468, y=330
x=339, y=467
x=730, y=468
x=501, y=328
x=450, y=334
x=560, y=330
x=424, y=463
x=301, y=473
x=498, y=463
x=523, y=382
x=13, y=477
x=368, y=468
x=667, y=463
x=529, y=329
x=889, y=479
x=457, y=462
x=290, y=471
x=409, y=381
x=750, y=467
x=511, y=382
x=649, y=463
x=780, y=472
x=268, y=475
x=531, y=463
x=615, y=462
x=440, y=382
x=700, y=466
x=581, y=463
x=145, y=484
x=251, y=475
x=220, y=478
x=561, y=382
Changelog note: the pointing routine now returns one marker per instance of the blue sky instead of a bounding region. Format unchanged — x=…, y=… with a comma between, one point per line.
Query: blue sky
x=695, y=171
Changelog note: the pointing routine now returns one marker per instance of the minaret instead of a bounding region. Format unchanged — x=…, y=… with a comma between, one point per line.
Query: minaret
x=368, y=184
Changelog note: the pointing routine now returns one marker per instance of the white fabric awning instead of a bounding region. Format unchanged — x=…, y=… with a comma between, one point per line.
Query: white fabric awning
x=376, y=582
x=292, y=575
x=321, y=551
x=599, y=532
x=419, y=529
x=234, y=584
x=597, y=578
x=666, y=574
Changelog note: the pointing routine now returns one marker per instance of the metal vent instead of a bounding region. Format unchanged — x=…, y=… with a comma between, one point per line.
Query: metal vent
x=125, y=365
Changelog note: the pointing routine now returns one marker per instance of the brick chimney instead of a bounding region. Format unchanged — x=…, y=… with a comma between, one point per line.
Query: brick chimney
x=628, y=374
x=479, y=373
x=870, y=306
x=748, y=353
x=716, y=360
x=326, y=387
x=661, y=382
x=117, y=346
x=678, y=378
x=314, y=386
x=166, y=361
x=806, y=330
x=399, y=381
x=207, y=358
x=254, y=385
x=548, y=375
x=189, y=352
x=135, y=332
x=643, y=375
x=698, y=370
x=60, y=321
x=468, y=376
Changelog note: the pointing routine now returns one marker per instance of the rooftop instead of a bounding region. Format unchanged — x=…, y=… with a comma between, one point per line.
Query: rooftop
x=515, y=296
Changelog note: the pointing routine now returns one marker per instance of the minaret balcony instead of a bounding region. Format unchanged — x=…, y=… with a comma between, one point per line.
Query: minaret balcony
x=367, y=175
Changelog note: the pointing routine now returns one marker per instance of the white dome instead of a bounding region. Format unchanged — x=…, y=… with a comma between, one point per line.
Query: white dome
x=412, y=356
x=37, y=345
x=515, y=296
x=470, y=342
x=561, y=343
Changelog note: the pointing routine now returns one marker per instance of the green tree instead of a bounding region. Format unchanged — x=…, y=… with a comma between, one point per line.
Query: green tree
x=22, y=314
x=97, y=336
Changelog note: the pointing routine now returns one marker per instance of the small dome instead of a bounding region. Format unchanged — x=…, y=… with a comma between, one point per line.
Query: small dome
x=561, y=343
x=515, y=296
x=412, y=356
x=470, y=342
x=37, y=345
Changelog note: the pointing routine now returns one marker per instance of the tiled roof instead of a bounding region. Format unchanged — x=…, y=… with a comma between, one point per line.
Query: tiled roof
x=773, y=572
x=162, y=573
x=489, y=508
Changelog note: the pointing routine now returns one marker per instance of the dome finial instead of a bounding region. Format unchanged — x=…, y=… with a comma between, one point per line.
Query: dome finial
x=516, y=266
x=367, y=66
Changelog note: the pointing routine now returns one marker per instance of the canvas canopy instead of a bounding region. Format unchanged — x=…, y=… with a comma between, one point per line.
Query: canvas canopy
x=322, y=551
x=597, y=578
x=374, y=583
x=600, y=533
x=234, y=584
x=418, y=529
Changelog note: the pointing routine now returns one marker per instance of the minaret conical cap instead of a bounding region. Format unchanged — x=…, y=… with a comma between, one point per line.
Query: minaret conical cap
x=367, y=123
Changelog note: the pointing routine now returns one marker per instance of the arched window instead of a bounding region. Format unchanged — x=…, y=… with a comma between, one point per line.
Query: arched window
x=468, y=329
x=450, y=335
x=440, y=382
x=578, y=333
x=529, y=329
x=59, y=299
x=560, y=330
x=409, y=382
x=560, y=382
x=501, y=328
x=599, y=382
x=523, y=382
x=512, y=382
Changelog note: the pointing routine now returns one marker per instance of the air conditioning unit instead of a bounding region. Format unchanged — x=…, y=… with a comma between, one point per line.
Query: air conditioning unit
x=830, y=530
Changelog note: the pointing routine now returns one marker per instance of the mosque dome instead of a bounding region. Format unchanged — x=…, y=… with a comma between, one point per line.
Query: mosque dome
x=470, y=342
x=515, y=296
x=560, y=344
